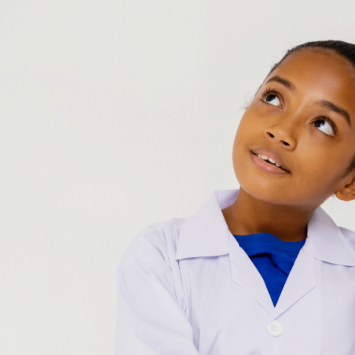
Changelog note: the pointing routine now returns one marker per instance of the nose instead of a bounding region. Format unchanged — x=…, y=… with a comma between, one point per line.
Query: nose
x=281, y=134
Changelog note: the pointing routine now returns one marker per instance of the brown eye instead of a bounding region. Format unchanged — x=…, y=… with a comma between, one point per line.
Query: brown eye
x=272, y=99
x=324, y=126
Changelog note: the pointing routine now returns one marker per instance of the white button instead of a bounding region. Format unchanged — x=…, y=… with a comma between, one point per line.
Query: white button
x=274, y=328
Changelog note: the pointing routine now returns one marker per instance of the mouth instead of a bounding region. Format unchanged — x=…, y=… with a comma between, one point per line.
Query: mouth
x=264, y=162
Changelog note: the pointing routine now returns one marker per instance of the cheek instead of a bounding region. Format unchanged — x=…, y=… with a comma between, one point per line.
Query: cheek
x=249, y=133
x=317, y=173
x=247, y=128
x=240, y=145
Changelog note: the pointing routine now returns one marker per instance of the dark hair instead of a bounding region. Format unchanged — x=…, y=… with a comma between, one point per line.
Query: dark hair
x=345, y=49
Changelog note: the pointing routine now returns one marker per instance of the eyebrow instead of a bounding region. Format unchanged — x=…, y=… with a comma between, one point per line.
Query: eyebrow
x=282, y=81
x=324, y=103
x=330, y=106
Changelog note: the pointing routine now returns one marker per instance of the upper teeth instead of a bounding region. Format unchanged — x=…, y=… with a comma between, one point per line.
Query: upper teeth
x=269, y=159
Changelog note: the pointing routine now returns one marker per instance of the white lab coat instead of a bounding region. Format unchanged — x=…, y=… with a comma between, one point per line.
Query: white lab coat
x=185, y=287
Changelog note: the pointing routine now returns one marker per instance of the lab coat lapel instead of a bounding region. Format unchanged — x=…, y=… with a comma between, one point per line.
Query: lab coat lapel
x=301, y=280
x=245, y=274
x=324, y=242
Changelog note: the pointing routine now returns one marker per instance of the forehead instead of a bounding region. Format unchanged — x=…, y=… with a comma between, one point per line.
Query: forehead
x=320, y=72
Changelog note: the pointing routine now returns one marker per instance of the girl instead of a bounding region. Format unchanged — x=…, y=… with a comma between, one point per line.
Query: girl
x=263, y=269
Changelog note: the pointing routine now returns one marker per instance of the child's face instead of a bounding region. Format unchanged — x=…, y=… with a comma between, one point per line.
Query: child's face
x=290, y=121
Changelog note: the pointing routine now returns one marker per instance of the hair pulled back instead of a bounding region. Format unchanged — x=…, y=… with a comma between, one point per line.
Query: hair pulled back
x=345, y=49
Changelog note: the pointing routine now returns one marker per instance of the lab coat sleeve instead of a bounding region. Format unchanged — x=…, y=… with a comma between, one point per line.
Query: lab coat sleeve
x=150, y=320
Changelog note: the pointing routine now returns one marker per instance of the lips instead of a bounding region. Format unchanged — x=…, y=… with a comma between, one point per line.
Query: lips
x=273, y=155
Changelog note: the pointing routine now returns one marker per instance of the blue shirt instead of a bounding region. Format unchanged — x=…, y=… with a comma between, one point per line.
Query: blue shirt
x=273, y=257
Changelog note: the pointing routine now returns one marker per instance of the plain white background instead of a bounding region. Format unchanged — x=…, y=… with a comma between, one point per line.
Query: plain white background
x=115, y=115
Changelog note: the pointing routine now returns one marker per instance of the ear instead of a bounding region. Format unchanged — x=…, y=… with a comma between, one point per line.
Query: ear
x=347, y=192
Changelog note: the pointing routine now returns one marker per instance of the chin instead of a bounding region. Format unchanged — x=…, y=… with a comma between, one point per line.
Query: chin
x=264, y=193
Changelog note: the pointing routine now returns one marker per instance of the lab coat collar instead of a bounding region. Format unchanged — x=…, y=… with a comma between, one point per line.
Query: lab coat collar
x=206, y=233
x=327, y=242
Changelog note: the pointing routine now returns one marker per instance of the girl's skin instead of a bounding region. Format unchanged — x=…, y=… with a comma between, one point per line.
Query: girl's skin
x=291, y=123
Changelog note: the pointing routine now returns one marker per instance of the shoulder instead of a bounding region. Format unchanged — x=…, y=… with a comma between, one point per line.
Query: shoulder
x=157, y=241
x=149, y=264
x=349, y=236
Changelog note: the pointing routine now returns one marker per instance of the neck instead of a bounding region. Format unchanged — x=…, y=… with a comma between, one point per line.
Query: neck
x=248, y=215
